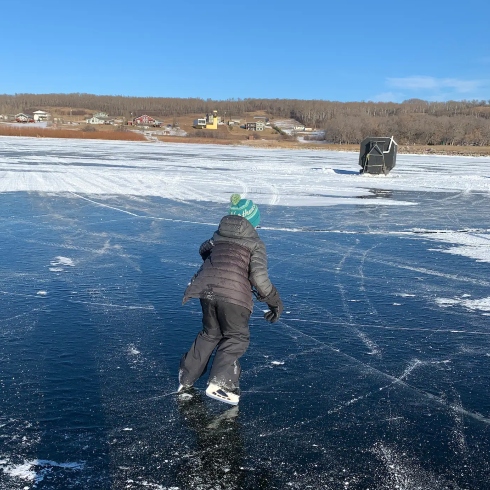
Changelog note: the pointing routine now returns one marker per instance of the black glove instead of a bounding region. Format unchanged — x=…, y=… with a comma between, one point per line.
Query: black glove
x=273, y=314
x=275, y=310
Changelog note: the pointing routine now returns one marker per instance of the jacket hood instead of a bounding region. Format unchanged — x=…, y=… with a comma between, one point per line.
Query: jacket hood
x=236, y=226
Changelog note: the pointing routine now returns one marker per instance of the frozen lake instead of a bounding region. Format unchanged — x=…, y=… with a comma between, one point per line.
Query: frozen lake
x=376, y=377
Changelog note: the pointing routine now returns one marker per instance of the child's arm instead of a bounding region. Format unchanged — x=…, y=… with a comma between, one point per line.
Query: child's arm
x=259, y=279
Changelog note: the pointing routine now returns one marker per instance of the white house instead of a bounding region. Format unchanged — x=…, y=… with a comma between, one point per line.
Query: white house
x=41, y=116
x=99, y=118
x=21, y=117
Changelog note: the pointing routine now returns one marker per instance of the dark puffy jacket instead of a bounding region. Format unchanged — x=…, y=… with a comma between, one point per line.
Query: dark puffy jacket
x=235, y=260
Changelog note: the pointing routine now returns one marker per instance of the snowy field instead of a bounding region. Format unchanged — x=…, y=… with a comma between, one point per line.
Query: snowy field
x=376, y=377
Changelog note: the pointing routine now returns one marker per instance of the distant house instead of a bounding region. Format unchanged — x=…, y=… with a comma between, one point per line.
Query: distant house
x=211, y=121
x=100, y=118
x=146, y=120
x=41, y=116
x=23, y=118
x=4, y=117
x=199, y=123
x=255, y=126
x=299, y=128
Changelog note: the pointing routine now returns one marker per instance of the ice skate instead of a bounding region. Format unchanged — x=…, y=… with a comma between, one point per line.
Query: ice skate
x=221, y=394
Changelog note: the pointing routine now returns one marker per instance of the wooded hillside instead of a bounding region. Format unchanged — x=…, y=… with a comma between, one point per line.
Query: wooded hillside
x=411, y=122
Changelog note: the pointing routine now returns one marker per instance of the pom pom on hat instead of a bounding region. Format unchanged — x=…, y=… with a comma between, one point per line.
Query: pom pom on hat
x=245, y=208
x=235, y=199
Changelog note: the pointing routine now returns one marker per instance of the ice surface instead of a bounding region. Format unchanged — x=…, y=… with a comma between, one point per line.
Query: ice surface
x=185, y=173
x=376, y=376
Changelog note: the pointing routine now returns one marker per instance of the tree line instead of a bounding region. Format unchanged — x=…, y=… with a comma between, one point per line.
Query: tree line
x=413, y=121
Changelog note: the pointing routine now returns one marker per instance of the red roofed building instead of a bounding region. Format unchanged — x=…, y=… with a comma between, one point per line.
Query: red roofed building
x=146, y=121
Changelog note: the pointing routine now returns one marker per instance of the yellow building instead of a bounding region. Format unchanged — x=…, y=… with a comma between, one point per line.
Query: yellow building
x=210, y=122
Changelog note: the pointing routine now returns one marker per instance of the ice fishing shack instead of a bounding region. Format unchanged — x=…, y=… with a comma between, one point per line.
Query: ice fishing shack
x=377, y=155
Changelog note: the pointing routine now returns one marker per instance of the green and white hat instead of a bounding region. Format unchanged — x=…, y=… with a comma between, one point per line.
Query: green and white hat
x=245, y=208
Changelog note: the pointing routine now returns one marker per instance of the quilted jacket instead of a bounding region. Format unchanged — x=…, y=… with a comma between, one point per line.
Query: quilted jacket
x=235, y=261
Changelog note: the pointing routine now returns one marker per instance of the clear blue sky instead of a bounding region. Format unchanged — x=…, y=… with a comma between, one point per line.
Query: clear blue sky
x=349, y=50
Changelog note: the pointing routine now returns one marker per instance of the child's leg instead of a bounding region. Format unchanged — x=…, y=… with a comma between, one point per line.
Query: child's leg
x=194, y=363
x=233, y=320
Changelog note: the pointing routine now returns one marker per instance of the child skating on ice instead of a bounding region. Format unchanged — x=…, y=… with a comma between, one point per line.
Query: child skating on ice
x=235, y=263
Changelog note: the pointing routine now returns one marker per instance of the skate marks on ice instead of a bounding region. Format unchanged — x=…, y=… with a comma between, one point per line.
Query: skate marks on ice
x=379, y=413
x=394, y=421
x=405, y=473
x=365, y=368
x=371, y=345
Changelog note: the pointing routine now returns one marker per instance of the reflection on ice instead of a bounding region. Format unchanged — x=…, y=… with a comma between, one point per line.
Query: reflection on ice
x=378, y=193
x=217, y=455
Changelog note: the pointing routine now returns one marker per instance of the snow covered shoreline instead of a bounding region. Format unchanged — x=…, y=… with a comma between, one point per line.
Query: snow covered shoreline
x=301, y=144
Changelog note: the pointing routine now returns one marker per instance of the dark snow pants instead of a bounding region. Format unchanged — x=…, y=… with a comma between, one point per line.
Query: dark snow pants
x=225, y=328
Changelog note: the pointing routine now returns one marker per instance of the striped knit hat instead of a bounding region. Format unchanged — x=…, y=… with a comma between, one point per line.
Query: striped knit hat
x=245, y=208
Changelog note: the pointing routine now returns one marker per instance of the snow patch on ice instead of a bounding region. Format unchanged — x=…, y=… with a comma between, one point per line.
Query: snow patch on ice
x=482, y=304
x=59, y=263
x=35, y=470
x=62, y=261
x=133, y=351
x=473, y=245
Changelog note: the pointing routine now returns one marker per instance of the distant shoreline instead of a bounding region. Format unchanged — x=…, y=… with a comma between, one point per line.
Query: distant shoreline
x=471, y=151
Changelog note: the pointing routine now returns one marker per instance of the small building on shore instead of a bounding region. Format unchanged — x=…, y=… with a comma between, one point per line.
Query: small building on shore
x=146, y=120
x=23, y=118
x=41, y=116
x=211, y=121
x=255, y=126
x=100, y=118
